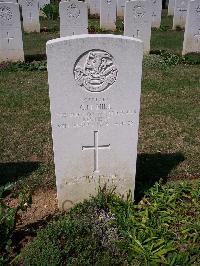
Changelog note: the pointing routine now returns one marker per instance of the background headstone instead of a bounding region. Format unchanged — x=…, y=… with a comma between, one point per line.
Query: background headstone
x=94, y=87
x=191, y=41
x=108, y=9
x=30, y=14
x=8, y=1
x=94, y=6
x=156, y=13
x=11, y=44
x=120, y=7
x=180, y=12
x=137, y=21
x=171, y=7
x=73, y=18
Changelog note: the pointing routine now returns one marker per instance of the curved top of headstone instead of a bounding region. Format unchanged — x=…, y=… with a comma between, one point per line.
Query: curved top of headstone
x=91, y=36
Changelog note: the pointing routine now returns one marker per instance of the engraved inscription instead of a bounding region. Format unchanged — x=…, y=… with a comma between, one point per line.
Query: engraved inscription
x=96, y=113
x=73, y=11
x=95, y=70
x=182, y=7
x=138, y=11
x=96, y=149
x=5, y=15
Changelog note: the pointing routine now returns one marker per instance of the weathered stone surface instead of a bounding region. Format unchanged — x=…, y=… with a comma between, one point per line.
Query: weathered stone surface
x=108, y=10
x=73, y=18
x=156, y=13
x=120, y=7
x=137, y=21
x=30, y=14
x=94, y=6
x=180, y=12
x=11, y=45
x=171, y=7
x=191, y=41
x=94, y=88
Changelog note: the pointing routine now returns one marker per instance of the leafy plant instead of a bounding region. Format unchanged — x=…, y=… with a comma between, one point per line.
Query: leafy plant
x=8, y=218
x=107, y=230
x=51, y=11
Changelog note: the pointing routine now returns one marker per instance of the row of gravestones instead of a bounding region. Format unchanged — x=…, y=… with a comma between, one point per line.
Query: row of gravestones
x=74, y=20
x=179, y=10
x=11, y=44
x=137, y=19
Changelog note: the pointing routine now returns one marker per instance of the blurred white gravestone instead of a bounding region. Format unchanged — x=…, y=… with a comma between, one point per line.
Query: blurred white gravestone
x=73, y=18
x=108, y=9
x=171, y=7
x=94, y=88
x=120, y=7
x=94, y=6
x=156, y=13
x=8, y=1
x=11, y=44
x=30, y=14
x=137, y=21
x=191, y=41
x=180, y=12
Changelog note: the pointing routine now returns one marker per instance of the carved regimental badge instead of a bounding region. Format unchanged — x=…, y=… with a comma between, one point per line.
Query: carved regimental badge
x=95, y=70
x=198, y=10
x=73, y=11
x=5, y=15
x=138, y=11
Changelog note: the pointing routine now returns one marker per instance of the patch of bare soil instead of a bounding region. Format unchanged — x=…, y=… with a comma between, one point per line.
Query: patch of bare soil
x=42, y=210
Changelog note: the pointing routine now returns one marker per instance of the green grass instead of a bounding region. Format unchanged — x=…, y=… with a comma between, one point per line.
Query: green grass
x=162, y=229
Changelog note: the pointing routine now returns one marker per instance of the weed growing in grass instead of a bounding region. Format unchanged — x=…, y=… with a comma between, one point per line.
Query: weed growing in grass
x=8, y=218
x=163, y=229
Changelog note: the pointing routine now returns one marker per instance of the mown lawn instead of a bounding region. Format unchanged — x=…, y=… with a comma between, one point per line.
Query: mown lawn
x=163, y=226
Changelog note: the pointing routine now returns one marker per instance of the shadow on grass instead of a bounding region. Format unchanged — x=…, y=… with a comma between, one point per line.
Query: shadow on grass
x=11, y=172
x=35, y=57
x=153, y=167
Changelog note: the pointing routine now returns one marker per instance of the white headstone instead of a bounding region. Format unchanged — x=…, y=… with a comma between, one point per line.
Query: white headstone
x=191, y=41
x=11, y=45
x=94, y=6
x=30, y=14
x=43, y=3
x=171, y=7
x=73, y=18
x=137, y=21
x=8, y=1
x=156, y=13
x=108, y=11
x=120, y=7
x=180, y=12
x=94, y=87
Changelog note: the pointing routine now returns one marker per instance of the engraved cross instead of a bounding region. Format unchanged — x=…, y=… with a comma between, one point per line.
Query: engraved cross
x=9, y=38
x=96, y=149
x=137, y=34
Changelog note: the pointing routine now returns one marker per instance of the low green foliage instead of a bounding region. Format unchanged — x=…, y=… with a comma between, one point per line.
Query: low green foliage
x=8, y=217
x=51, y=11
x=35, y=65
x=162, y=229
